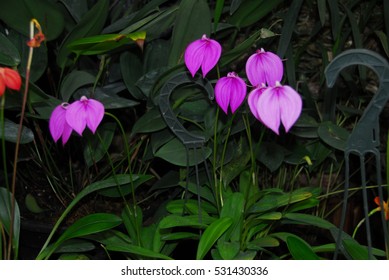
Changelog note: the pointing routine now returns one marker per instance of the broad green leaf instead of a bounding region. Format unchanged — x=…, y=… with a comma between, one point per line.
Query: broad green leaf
x=136, y=250
x=11, y=133
x=179, y=235
x=5, y=218
x=9, y=54
x=138, y=180
x=91, y=24
x=218, y=12
x=76, y=245
x=97, y=145
x=211, y=234
x=73, y=81
x=151, y=121
x=193, y=20
x=288, y=28
x=228, y=250
x=100, y=44
x=322, y=9
x=307, y=219
x=272, y=216
x=384, y=41
x=252, y=11
x=300, y=249
x=90, y=224
x=191, y=206
x=18, y=13
x=131, y=68
x=333, y=135
x=176, y=153
x=263, y=242
x=185, y=221
x=73, y=256
x=271, y=155
x=32, y=205
x=233, y=208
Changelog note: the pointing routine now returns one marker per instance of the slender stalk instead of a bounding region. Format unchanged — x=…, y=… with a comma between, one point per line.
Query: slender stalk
x=2, y=104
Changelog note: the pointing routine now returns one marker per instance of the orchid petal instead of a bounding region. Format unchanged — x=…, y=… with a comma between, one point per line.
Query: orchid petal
x=2, y=86
x=230, y=91
x=203, y=53
x=268, y=109
x=193, y=56
x=95, y=114
x=12, y=78
x=76, y=115
x=57, y=122
x=252, y=100
x=264, y=68
x=211, y=56
x=291, y=105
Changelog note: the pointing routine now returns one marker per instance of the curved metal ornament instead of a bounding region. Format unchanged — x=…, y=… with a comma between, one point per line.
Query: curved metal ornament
x=364, y=138
x=188, y=139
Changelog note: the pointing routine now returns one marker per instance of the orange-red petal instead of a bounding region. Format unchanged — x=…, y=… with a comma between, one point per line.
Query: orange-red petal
x=2, y=85
x=12, y=78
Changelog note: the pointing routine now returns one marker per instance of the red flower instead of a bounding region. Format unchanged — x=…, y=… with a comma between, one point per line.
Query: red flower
x=386, y=208
x=9, y=78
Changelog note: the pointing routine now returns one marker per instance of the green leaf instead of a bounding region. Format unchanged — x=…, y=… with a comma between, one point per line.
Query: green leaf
x=185, y=221
x=211, y=235
x=228, y=250
x=384, y=41
x=73, y=81
x=9, y=54
x=90, y=224
x=136, y=250
x=18, y=13
x=307, y=219
x=300, y=250
x=32, y=205
x=333, y=135
x=138, y=180
x=151, y=121
x=252, y=11
x=193, y=20
x=5, y=218
x=218, y=12
x=289, y=26
x=11, y=133
x=233, y=208
x=97, y=145
x=271, y=155
x=174, y=152
x=263, y=242
x=131, y=69
x=91, y=24
x=100, y=44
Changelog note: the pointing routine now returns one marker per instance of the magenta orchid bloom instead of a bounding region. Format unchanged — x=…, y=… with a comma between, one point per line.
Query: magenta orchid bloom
x=275, y=105
x=57, y=124
x=230, y=92
x=65, y=118
x=264, y=68
x=203, y=53
x=85, y=112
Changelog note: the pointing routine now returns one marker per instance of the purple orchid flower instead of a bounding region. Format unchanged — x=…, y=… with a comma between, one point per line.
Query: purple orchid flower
x=85, y=112
x=230, y=92
x=275, y=105
x=203, y=53
x=264, y=68
x=57, y=124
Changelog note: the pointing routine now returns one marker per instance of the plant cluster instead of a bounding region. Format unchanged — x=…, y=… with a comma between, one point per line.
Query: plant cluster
x=250, y=188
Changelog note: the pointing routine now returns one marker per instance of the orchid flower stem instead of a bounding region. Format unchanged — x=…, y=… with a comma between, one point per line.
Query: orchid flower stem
x=218, y=194
x=363, y=220
x=128, y=153
x=249, y=139
x=17, y=145
x=225, y=149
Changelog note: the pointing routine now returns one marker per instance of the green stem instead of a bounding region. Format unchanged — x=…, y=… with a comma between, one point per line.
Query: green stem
x=2, y=105
x=217, y=191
